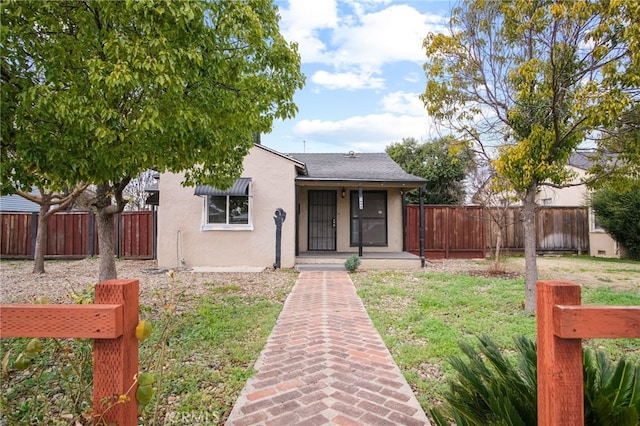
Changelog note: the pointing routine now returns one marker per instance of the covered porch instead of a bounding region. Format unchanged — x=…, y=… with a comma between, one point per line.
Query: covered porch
x=350, y=204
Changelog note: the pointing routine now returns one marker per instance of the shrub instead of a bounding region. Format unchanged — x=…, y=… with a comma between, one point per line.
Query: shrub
x=352, y=263
x=617, y=211
x=490, y=389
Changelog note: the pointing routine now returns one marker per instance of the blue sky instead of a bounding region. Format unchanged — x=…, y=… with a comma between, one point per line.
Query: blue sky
x=363, y=65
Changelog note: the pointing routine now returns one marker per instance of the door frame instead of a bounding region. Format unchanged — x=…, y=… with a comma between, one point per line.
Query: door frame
x=328, y=209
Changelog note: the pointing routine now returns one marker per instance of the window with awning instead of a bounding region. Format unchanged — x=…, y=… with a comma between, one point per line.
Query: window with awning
x=227, y=209
x=239, y=188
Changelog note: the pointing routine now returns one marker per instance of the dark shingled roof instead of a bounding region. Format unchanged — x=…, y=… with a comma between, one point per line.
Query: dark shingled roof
x=362, y=167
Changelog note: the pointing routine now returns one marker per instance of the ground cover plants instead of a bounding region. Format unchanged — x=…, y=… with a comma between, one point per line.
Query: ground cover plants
x=424, y=316
x=200, y=353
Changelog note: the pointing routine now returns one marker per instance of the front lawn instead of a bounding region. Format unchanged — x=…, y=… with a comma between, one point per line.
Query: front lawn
x=423, y=316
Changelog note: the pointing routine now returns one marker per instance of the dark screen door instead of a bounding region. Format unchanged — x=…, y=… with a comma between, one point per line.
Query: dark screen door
x=322, y=220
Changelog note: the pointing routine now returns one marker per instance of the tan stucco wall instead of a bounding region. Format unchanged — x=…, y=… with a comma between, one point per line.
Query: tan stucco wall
x=394, y=219
x=182, y=243
x=602, y=245
x=569, y=196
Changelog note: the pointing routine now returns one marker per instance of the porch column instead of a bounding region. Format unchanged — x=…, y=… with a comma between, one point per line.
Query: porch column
x=404, y=220
x=422, y=227
x=297, y=220
x=360, y=208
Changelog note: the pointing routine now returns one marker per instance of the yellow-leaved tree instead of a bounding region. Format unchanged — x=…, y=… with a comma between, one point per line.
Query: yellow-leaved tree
x=527, y=82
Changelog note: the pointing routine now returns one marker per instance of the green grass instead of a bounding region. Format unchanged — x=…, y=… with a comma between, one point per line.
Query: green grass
x=422, y=317
x=215, y=346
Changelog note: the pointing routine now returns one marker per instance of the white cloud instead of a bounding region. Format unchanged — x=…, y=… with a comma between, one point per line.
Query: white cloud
x=347, y=80
x=392, y=34
x=301, y=21
x=403, y=103
x=357, y=38
x=370, y=133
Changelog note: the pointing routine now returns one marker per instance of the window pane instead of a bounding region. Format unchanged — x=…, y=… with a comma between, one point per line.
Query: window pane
x=374, y=218
x=239, y=210
x=217, y=209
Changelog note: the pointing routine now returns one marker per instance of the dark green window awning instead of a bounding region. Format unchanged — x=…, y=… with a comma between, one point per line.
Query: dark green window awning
x=239, y=188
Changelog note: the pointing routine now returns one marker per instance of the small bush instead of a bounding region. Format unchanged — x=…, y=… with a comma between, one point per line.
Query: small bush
x=352, y=263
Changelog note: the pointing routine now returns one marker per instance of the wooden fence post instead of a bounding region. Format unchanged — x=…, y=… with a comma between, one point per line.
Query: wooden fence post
x=117, y=355
x=111, y=322
x=560, y=382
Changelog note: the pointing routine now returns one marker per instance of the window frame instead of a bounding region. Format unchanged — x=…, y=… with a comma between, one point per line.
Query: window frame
x=227, y=226
x=353, y=217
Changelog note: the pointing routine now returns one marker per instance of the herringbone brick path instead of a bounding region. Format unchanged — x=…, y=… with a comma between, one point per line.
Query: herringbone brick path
x=325, y=364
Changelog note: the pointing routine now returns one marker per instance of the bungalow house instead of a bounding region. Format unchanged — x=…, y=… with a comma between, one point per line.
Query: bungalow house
x=329, y=206
x=601, y=244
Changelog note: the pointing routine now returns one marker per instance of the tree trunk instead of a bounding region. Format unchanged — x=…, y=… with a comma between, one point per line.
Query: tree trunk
x=531, y=267
x=41, y=240
x=105, y=192
x=106, y=245
x=496, y=260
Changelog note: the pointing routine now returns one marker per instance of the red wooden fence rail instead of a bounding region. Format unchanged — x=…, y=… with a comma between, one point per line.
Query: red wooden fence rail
x=562, y=323
x=111, y=322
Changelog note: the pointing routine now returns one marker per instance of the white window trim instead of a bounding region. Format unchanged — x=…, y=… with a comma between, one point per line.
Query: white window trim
x=206, y=226
x=592, y=223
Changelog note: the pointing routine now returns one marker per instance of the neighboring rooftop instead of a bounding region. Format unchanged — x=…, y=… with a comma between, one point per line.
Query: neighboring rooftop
x=581, y=160
x=371, y=167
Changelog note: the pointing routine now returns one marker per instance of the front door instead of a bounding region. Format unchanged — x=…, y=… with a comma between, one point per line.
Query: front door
x=322, y=220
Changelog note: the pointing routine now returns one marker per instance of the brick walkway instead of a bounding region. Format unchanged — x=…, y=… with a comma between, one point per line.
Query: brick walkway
x=325, y=364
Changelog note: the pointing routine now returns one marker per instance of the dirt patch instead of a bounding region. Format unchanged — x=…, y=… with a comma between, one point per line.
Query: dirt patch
x=63, y=279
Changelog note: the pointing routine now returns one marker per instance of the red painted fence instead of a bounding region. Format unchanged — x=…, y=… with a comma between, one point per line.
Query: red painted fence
x=111, y=322
x=562, y=323
x=465, y=232
x=75, y=235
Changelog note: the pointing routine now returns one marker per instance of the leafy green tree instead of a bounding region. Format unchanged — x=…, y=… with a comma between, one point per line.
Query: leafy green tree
x=443, y=162
x=100, y=91
x=50, y=202
x=527, y=82
x=617, y=211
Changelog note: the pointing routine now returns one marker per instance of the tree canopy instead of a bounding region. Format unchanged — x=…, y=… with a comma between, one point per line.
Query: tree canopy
x=99, y=91
x=443, y=162
x=528, y=81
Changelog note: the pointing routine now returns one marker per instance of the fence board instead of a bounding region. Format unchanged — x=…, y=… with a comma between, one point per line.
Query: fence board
x=69, y=235
x=62, y=321
x=467, y=232
x=15, y=238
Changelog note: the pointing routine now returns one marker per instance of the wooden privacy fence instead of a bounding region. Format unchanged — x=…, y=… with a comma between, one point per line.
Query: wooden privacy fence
x=75, y=235
x=468, y=231
x=562, y=322
x=111, y=322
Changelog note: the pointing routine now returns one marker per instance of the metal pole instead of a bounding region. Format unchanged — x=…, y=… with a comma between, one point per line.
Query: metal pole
x=360, y=212
x=422, y=227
